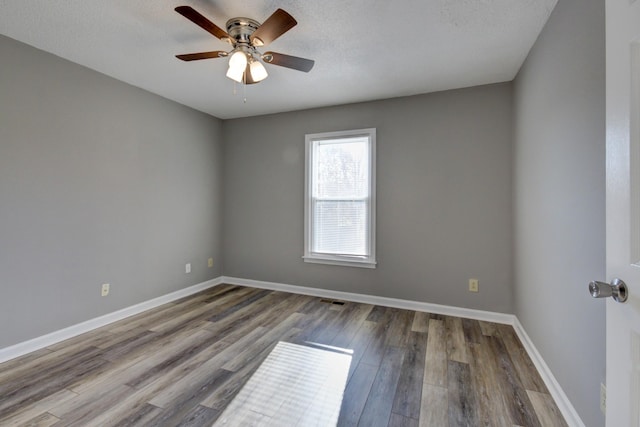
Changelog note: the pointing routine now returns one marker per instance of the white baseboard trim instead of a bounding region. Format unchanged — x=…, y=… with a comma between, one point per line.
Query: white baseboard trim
x=34, y=344
x=568, y=411
x=468, y=313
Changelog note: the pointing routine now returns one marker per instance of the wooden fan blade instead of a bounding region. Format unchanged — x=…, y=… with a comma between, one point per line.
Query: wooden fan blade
x=202, y=55
x=195, y=17
x=276, y=25
x=294, y=62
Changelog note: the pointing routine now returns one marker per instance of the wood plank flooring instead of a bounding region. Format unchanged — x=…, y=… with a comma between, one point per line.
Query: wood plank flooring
x=185, y=362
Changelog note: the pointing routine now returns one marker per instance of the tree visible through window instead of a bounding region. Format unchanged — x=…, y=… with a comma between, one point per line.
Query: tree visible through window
x=340, y=199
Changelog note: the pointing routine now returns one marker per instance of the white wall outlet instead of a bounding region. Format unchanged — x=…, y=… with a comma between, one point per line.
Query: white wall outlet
x=210, y=262
x=473, y=285
x=603, y=398
x=105, y=289
x=187, y=268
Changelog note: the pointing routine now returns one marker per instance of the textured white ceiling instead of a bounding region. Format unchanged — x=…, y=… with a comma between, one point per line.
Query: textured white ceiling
x=364, y=49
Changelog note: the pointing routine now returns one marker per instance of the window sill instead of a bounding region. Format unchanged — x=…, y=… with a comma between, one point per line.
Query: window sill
x=340, y=261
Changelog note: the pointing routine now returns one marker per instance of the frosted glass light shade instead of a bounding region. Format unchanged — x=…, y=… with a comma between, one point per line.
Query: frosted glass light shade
x=238, y=60
x=235, y=73
x=258, y=72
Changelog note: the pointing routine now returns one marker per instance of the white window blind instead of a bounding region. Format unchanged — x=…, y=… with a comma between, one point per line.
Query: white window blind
x=340, y=199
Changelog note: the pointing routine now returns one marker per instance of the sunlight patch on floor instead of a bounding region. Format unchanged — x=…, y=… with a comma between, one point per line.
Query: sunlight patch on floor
x=296, y=385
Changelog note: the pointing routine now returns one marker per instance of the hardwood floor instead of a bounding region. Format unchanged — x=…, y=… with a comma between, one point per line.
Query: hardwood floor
x=185, y=362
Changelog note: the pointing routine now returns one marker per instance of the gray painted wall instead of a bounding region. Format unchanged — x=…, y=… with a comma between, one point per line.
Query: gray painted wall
x=99, y=182
x=559, y=196
x=444, y=203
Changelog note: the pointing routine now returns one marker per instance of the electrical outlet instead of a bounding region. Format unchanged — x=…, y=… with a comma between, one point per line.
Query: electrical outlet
x=473, y=285
x=603, y=398
x=105, y=289
x=210, y=262
x=187, y=268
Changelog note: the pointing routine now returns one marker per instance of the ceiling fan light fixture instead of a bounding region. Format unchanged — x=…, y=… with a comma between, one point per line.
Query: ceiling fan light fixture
x=258, y=72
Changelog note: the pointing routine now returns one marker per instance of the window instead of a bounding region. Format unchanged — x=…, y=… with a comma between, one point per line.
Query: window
x=340, y=198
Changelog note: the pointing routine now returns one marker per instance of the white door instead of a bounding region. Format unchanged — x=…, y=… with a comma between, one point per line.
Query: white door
x=623, y=210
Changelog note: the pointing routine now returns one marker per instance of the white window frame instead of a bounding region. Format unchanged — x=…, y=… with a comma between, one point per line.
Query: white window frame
x=325, y=258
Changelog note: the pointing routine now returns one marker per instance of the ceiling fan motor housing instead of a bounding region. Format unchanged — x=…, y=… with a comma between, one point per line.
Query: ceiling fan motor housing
x=240, y=30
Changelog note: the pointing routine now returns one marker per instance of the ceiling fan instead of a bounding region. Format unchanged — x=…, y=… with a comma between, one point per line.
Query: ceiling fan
x=246, y=36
